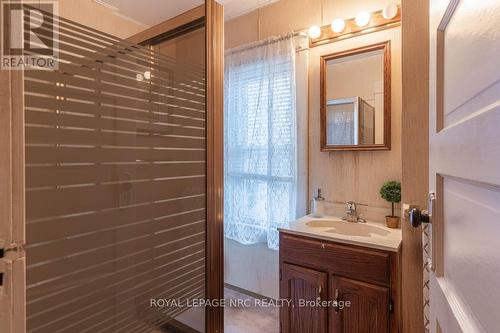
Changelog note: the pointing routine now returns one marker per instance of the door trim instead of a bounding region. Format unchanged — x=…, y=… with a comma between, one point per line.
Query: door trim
x=12, y=208
x=214, y=27
x=440, y=52
x=414, y=153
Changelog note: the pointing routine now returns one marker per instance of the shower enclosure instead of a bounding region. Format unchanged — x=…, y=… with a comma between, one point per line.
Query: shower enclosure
x=123, y=165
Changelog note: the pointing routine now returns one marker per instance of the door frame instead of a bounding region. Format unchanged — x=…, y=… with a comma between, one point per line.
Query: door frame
x=212, y=14
x=214, y=26
x=12, y=208
x=414, y=154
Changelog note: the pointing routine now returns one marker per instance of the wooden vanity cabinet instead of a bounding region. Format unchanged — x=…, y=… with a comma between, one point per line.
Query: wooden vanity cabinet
x=306, y=285
x=369, y=310
x=313, y=270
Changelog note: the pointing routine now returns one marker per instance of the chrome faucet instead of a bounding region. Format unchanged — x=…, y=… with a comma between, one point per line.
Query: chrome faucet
x=352, y=213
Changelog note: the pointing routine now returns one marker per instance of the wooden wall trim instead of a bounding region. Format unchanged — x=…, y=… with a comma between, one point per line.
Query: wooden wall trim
x=12, y=155
x=175, y=22
x=12, y=208
x=215, y=161
x=415, y=152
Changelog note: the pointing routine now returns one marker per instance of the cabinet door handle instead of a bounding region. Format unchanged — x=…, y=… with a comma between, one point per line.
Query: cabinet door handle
x=336, y=301
x=319, y=290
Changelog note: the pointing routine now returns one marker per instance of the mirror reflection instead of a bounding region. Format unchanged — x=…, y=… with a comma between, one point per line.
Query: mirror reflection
x=355, y=98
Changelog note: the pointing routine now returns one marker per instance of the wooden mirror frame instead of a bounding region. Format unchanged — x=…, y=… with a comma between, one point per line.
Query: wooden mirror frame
x=386, y=145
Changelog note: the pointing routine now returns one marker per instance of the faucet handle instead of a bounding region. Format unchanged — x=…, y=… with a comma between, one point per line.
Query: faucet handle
x=320, y=197
x=350, y=206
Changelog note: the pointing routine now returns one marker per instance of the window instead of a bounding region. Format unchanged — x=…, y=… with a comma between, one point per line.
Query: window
x=260, y=142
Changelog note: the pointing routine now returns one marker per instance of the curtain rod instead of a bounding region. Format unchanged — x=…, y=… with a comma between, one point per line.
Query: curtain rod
x=267, y=41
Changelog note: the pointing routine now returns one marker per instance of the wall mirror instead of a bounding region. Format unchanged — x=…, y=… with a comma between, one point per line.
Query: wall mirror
x=356, y=99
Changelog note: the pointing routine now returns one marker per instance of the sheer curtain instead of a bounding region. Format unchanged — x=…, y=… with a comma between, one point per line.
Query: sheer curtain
x=260, y=134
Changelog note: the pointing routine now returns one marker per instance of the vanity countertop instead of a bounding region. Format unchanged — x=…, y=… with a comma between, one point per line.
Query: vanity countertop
x=369, y=234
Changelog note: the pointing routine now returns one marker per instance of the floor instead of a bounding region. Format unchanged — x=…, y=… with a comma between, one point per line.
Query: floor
x=240, y=319
x=252, y=319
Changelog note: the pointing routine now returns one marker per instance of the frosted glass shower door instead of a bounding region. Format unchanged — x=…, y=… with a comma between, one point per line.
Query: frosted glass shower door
x=116, y=185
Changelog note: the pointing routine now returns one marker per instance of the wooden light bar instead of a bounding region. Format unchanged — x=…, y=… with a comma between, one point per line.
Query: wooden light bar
x=377, y=23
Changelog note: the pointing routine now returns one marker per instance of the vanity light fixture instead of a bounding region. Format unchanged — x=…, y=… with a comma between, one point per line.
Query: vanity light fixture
x=364, y=23
x=338, y=25
x=390, y=11
x=362, y=19
x=314, y=32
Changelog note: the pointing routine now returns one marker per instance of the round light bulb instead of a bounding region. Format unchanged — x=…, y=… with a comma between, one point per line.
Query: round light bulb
x=147, y=75
x=314, y=32
x=390, y=11
x=362, y=19
x=338, y=25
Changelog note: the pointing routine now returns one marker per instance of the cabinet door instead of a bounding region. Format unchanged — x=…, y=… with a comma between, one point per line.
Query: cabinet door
x=368, y=311
x=300, y=284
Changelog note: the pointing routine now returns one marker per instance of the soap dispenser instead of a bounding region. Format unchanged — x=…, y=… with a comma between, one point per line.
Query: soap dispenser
x=317, y=205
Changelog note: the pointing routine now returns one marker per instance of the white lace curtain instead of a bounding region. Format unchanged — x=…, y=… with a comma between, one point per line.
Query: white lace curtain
x=260, y=134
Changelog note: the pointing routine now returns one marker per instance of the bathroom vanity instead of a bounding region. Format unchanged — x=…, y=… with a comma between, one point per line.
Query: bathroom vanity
x=354, y=266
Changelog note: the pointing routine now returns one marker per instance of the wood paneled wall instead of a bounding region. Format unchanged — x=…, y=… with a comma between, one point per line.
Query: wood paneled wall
x=346, y=175
x=342, y=175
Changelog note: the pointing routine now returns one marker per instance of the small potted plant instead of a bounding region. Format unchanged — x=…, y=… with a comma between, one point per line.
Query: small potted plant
x=391, y=191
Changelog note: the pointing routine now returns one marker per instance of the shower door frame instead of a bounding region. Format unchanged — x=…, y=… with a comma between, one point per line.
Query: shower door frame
x=212, y=14
x=12, y=207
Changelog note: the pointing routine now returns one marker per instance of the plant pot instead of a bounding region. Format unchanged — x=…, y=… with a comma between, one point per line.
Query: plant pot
x=392, y=221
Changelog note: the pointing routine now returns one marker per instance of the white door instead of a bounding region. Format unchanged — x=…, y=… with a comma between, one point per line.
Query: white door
x=465, y=165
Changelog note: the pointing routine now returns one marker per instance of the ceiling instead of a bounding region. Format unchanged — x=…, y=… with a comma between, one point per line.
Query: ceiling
x=151, y=12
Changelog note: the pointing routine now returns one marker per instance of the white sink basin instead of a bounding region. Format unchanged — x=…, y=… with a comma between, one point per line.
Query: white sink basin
x=324, y=223
x=347, y=228
x=369, y=234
